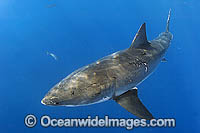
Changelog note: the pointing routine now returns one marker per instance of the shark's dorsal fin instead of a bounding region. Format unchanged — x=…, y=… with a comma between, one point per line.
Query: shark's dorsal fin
x=140, y=38
x=130, y=101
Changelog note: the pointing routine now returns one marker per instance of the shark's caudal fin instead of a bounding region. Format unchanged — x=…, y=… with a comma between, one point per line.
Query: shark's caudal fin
x=168, y=21
x=140, y=38
x=130, y=101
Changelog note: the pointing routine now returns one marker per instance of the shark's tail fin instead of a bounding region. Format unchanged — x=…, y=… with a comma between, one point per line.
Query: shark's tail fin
x=168, y=20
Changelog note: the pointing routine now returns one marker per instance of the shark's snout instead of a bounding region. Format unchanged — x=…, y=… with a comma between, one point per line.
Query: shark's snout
x=59, y=96
x=49, y=101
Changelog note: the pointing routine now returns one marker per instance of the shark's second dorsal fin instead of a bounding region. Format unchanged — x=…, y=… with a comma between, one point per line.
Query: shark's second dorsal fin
x=130, y=101
x=140, y=38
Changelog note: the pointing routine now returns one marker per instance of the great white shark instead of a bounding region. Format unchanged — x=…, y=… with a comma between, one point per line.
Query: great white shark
x=115, y=76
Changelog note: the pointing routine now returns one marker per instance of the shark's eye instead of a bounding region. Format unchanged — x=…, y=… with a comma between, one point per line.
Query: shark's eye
x=56, y=103
x=72, y=93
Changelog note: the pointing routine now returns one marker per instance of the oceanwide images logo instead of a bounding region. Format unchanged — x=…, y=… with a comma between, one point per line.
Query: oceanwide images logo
x=46, y=121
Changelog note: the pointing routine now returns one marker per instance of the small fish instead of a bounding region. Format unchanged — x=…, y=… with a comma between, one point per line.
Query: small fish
x=52, y=55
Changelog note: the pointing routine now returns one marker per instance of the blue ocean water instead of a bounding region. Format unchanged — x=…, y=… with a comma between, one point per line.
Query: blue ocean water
x=79, y=32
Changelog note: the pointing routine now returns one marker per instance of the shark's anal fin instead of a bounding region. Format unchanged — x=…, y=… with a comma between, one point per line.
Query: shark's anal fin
x=130, y=101
x=140, y=39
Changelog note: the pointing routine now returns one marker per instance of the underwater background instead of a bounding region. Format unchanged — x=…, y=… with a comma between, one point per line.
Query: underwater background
x=79, y=32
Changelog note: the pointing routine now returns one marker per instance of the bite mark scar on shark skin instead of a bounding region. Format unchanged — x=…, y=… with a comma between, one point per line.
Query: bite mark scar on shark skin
x=146, y=66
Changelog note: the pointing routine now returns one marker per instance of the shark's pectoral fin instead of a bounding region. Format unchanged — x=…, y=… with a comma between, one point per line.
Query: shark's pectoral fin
x=130, y=101
x=164, y=60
